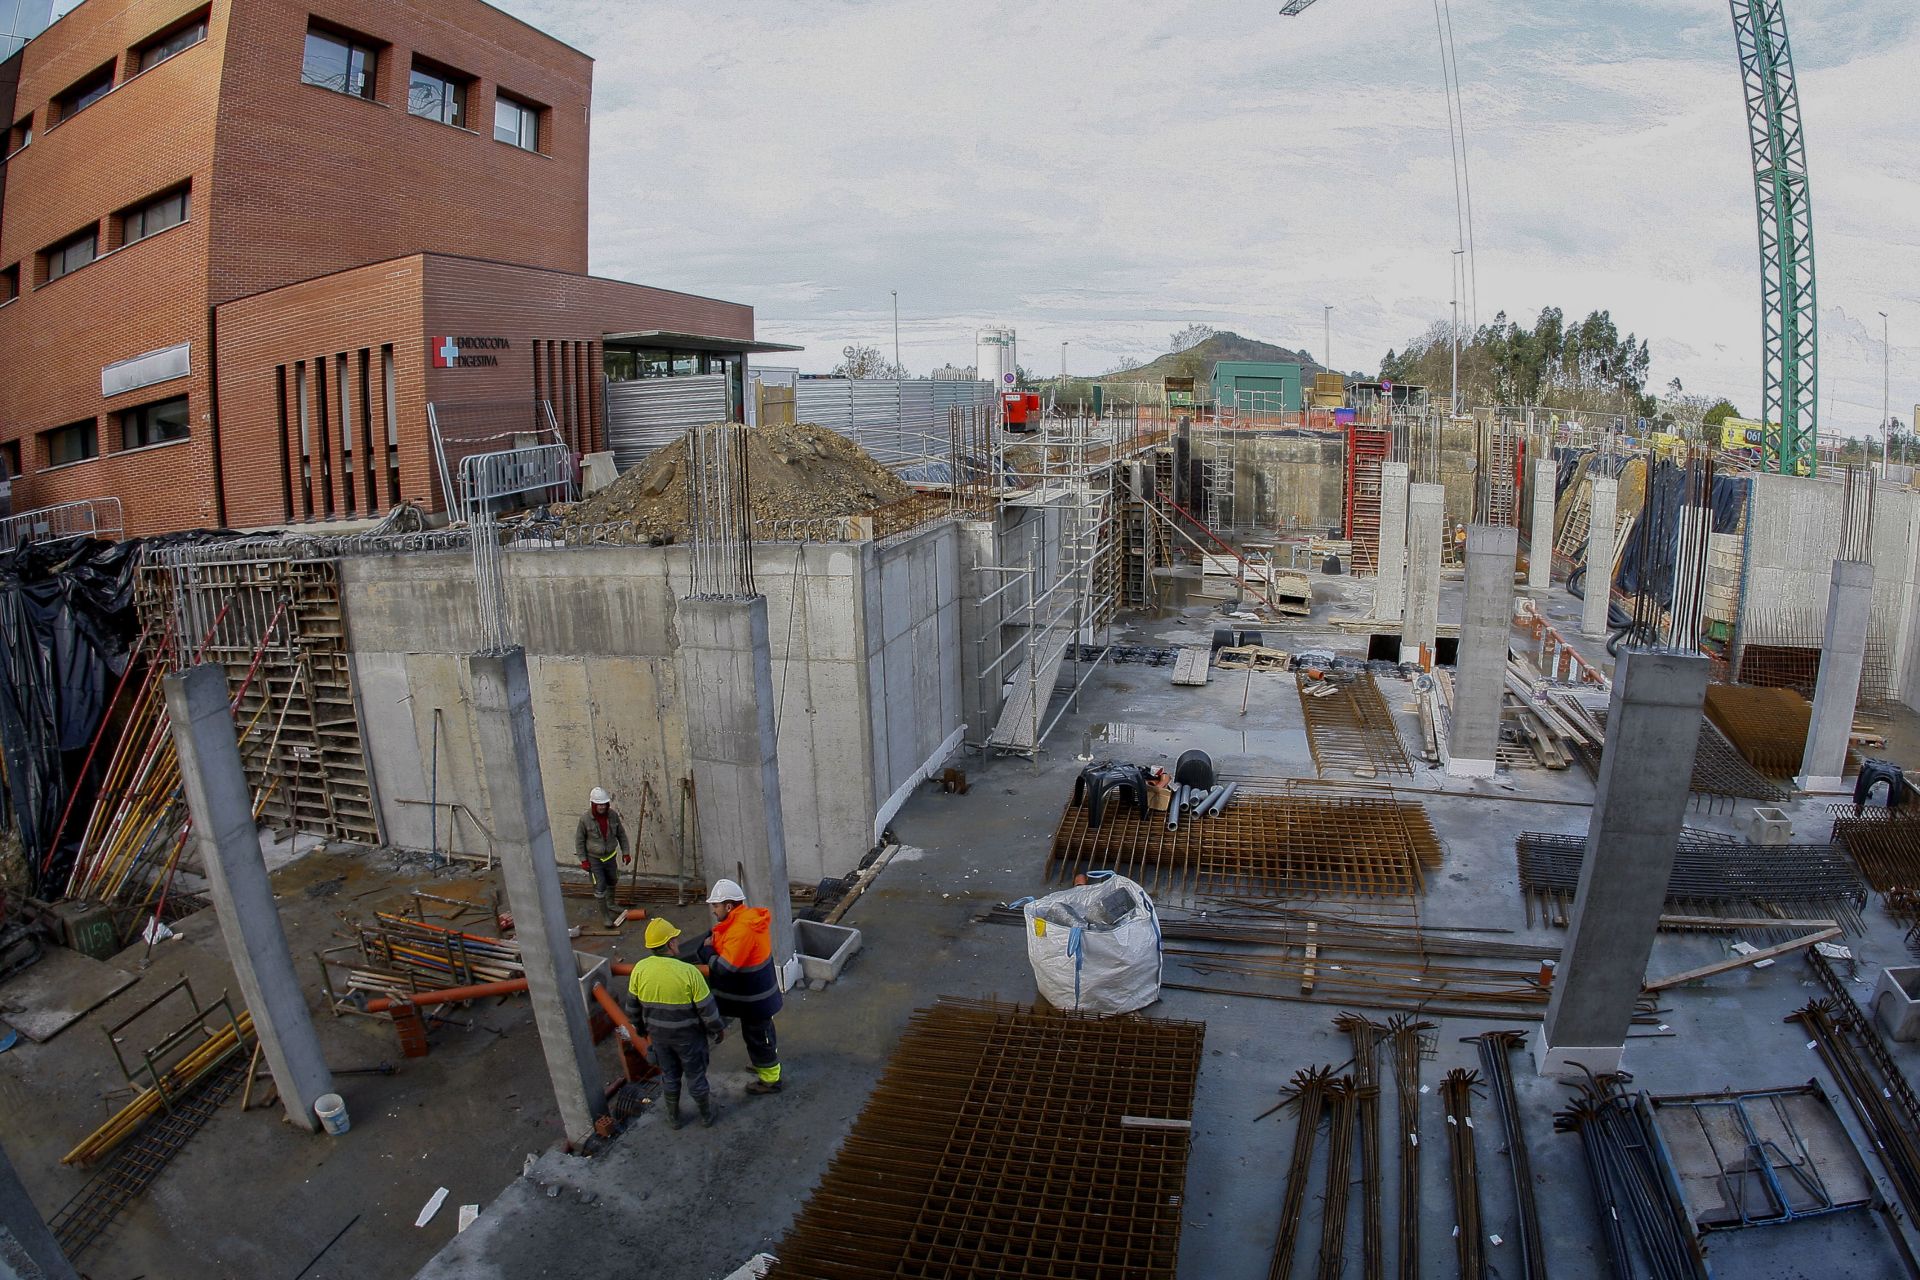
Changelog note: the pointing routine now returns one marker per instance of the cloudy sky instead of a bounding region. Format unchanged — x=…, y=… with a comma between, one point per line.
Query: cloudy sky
x=1100, y=174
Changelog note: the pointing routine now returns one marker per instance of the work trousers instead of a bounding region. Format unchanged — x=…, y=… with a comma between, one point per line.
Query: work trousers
x=682, y=1057
x=605, y=876
x=761, y=1051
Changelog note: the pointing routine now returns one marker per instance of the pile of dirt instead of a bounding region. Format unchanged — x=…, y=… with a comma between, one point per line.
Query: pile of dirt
x=794, y=473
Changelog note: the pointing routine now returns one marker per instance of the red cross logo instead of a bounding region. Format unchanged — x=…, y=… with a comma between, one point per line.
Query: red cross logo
x=446, y=353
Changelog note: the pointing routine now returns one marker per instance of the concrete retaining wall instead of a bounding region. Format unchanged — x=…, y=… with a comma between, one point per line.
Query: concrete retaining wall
x=866, y=682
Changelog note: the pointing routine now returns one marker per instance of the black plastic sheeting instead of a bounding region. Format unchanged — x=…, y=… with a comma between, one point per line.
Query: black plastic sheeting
x=67, y=623
x=1650, y=563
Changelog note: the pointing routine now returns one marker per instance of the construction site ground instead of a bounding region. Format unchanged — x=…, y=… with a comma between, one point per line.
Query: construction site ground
x=251, y=1197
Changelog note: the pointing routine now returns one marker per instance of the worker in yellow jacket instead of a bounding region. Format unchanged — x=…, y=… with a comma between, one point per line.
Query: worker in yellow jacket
x=678, y=1014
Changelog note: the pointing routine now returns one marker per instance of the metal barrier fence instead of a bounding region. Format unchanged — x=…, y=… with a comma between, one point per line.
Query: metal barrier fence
x=651, y=413
x=899, y=422
x=87, y=518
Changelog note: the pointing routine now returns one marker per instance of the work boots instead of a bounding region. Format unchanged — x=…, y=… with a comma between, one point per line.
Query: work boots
x=673, y=1110
x=709, y=1112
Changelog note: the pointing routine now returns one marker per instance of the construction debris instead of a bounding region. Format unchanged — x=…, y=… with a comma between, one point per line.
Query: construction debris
x=796, y=472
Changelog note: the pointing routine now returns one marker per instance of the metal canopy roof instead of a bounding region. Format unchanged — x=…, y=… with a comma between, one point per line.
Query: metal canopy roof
x=694, y=342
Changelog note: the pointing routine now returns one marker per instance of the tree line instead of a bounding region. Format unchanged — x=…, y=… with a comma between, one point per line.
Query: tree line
x=1586, y=366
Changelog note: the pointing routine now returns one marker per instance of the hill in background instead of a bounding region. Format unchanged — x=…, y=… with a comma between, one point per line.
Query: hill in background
x=1197, y=361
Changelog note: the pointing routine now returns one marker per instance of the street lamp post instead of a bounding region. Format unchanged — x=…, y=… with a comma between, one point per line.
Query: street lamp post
x=896, y=331
x=1063, y=365
x=1327, y=315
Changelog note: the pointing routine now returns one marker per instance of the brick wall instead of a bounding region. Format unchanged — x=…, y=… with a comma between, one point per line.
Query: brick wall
x=80, y=172
x=310, y=180
x=404, y=304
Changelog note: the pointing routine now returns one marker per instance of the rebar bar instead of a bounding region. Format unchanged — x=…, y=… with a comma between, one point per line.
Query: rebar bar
x=1886, y=844
x=1344, y=1096
x=1010, y=1142
x=1307, y=1096
x=720, y=511
x=1496, y=1049
x=1768, y=726
x=1366, y=1037
x=1411, y=1041
x=1647, y=1233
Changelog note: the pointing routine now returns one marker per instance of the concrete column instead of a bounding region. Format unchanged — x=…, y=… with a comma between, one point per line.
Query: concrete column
x=1653, y=725
x=1602, y=508
x=1842, y=655
x=980, y=624
x=27, y=1249
x=1390, y=583
x=510, y=756
x=1486, y=624
x=221, y=805
x=1426, y=535
x=1546, y=472
x=726, y=678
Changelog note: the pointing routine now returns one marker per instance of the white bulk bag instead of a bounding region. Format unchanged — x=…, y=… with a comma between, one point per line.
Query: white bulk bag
x=1095, y=948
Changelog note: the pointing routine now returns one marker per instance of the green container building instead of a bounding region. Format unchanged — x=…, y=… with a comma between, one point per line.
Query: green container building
x=1257, y=386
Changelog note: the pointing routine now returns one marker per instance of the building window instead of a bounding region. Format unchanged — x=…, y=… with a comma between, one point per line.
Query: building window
x=9, y=283
x=340, y=63
x=437, y=94
x=9, y=459
x=75, y=442
x=155, y=423
x=178, y=40
x=72, y=254
x=84, y=94
x=153, y=217
x=516, y=122
x=20, y=134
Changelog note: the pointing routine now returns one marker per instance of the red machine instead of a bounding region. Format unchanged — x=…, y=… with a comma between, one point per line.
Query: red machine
x=1021, y=410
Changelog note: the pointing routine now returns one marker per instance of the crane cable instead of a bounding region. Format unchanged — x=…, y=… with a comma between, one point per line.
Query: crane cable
x=1457, y=141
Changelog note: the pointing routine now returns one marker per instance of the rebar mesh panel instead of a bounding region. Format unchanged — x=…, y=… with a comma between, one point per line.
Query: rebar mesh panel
x=1718, y=769
x=1351, y=731
x=1766, y=726
x=1885, y=842
x=996, y=1144
x=1260, y=846
x=1712, y=875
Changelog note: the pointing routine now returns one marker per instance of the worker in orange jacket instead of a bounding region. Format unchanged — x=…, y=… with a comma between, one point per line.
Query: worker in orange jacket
x=737, y=959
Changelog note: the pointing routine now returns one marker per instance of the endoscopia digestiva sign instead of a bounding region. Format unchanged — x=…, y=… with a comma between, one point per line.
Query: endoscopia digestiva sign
x=466, y=353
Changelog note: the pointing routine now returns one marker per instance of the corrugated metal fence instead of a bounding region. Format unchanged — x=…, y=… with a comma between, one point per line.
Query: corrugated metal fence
x=899, y=422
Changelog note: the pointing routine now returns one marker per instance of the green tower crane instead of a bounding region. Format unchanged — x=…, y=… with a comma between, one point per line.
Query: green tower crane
x=1789, y=323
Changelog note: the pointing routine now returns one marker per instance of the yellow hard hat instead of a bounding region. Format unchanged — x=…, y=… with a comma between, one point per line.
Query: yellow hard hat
x=660, y=932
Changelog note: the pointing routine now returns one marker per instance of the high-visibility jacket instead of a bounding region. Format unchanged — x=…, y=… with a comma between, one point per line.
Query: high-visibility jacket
x=675, y=1001
x=738, y=954
x=589, y=843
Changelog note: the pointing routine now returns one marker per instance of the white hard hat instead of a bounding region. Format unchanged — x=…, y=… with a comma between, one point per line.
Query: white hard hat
x=726, y=891
x=599, y=796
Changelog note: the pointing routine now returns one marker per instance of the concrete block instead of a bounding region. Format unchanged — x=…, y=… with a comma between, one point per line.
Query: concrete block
x=1769, y=824
x=1896, y=1002
x=824, y=949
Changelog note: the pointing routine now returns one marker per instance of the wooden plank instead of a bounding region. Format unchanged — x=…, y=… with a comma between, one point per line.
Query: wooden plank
x=1753, y=957
x=1313, y=953
x=1154, y=1122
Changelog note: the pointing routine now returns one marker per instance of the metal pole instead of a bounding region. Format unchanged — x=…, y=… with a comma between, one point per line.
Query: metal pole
x=1456, y=331
x=1327, y=316
x=1886, y=421
x=1063, y=366
x=896, y=331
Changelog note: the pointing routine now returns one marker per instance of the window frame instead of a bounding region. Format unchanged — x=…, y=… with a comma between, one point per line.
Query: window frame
x=91, y=429
x=60, y=248
x=352, y=44
x=143, y=52
x=455, y=87
x=9, y=283
x=183, y=193
x=12, y=459
x=23, y=130
x=526, y=112
x=140, y=417
x=79, y=95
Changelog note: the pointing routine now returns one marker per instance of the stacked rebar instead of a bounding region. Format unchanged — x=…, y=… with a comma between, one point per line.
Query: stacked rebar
x=1456, y=1094
x=1885, y=842
x=1366, y=1037
x=1875, y=1089
x=1307, y=1096
x=720, y=511
x=1768, y=726
x=1647, y=1233
x=1711, y=874
x=1350, y=730
x=1407, y=1037
x=1496, y=1049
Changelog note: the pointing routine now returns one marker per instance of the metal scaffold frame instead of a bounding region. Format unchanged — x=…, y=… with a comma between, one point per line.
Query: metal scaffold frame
x=1059, y=607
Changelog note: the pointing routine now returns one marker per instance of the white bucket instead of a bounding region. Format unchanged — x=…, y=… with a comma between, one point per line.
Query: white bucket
x=332, y=1110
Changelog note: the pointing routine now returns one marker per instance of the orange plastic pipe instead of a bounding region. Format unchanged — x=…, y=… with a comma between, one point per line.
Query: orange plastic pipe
x=451, y=995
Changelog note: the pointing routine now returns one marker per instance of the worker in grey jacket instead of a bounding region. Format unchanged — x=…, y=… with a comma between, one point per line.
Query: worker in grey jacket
x=599, y=836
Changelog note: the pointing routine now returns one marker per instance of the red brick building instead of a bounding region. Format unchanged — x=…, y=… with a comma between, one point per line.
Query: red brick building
x=231, y=232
